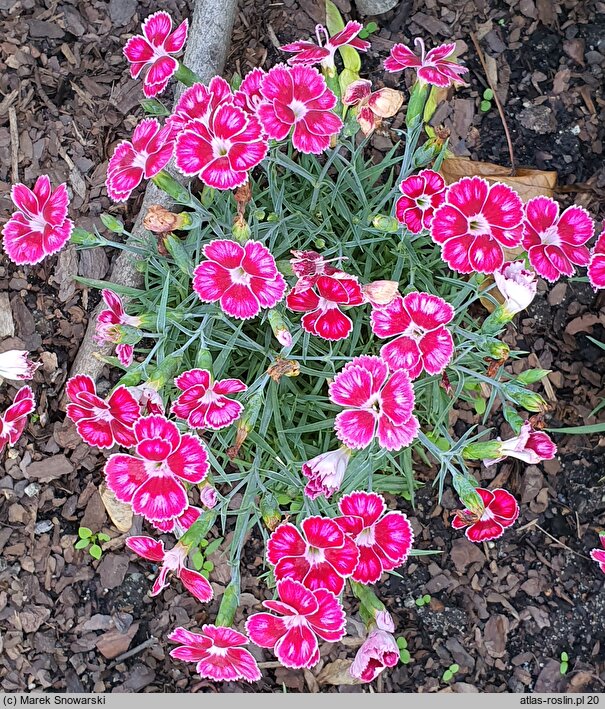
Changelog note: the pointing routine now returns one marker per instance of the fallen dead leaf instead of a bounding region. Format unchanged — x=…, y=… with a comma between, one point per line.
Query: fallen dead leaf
x=527, y=182
x=119, y=512
x=337, y=673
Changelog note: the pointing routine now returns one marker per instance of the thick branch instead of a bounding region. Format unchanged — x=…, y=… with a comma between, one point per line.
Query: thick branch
x=206, y=53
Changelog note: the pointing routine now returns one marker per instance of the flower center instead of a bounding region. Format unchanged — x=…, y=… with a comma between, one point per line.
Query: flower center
x=298, y=108
x=415, y=332
x=102, y=414
x=423, y=202
x=373, y=404
x=366, y=538
x=238, y=275
x=315, y=556
x=37, y=223
x=220, y=147
x=478, y=225
x=551, y=237
x=140, y=160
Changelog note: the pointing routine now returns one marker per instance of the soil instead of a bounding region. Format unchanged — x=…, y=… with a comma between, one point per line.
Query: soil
x=502, y=611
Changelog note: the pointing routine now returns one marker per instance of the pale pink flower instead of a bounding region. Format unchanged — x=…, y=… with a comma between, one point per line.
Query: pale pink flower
x=326, y=472
x=16, y=365
x=377, y=652
x=106, y=332
x=530, y=446
x=518, y=286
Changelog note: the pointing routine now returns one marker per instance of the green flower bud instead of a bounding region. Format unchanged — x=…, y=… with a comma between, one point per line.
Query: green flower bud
x=164, y=371
x=528, y=400
x=416, y=103
x=186, y=76
x=113, y=224
x=482, y=450
x=203, y=359
x=175, y=248
x=270, y=512
x=171, y=187
x=389, y=225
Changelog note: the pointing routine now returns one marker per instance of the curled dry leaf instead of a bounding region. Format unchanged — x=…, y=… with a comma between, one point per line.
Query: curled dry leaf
x=527, y=181
x=283, y=368
x=119, y=513
x=337, y=673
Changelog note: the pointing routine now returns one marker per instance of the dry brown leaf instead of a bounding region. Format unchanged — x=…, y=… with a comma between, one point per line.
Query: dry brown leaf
x=119, y=512
x=337, y=673
x=283, y=368
x=527, y=182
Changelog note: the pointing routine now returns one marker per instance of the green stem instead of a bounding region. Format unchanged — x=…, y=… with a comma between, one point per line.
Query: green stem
x=186, y=76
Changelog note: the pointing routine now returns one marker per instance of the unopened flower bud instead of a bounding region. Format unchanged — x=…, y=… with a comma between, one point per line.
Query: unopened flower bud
x=161, y=221
x=481, y=450
x=171, y=187
x=203, y=359
x=528, y=400
x=270, y=512
x=498, y=350
x=179, y=253
x=389, y=225
x=280, y=329
x=208, y=496
x=240, y=229
x=246, y=423
x=111, y=223
x=165, y=371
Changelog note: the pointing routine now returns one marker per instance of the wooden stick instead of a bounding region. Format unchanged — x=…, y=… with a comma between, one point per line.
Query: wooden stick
x=206, y=54
x=498, y=103
x=14, y=133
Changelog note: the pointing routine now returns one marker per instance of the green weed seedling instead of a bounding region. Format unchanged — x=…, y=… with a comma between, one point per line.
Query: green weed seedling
x=88, y=540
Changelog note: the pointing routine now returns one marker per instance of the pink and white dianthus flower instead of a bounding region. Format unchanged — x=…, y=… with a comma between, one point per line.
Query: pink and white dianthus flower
x=298, y=98
x=308, y=266
x=249, y=95
x=384, y=537
x=598, y=555
x=304, y=615
x=148, y=398
x=517, y=284
x=475, y=223
x=140, y=158
x=243, y=279
x=378, y=404
x=326, y=472
x=14, y=419
x=204, y=403
x=40, y=226
x=218, y=651
x=208, y=496
x=154, y=49
x=178, y=525
x=101, y=422
x=436, y=67
x=115, y=315
x=173, y=561
x=372, y=106
x=499, y=511
x=199, y=102
x=16, y=365
x=321, y=556
x=321, y=303
x=554, y=242
x=152, y=481
x=223, y=150
x=423, y=342
x=596, y=267
x=378, y=652
x=308, y=53
x=422, y=194
x=530, y=446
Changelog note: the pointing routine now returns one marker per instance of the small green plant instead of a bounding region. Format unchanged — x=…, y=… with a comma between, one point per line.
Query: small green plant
x=92, y=542
x=198, y=558
x=486, y=103
x=564, y=666
x=423, y=600
x=404, y=653
x=369, y=29
x=450, y=672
